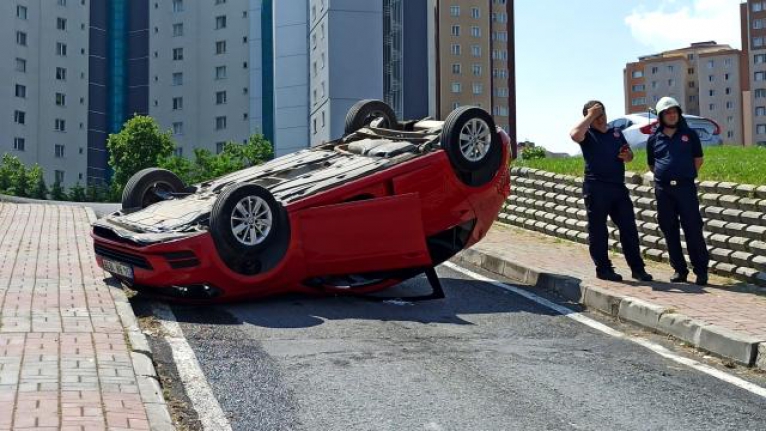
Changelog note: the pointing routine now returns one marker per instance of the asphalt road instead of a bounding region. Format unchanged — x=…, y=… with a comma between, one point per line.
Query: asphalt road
x=482, y=359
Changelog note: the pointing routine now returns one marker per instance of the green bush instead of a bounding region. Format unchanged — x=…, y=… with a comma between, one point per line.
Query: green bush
x=533, y=153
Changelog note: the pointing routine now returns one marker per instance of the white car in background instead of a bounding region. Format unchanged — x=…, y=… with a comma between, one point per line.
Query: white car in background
x=638, y=127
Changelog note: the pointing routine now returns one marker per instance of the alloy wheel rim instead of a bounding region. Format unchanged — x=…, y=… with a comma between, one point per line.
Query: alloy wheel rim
x=251, y=220
x=475, y=139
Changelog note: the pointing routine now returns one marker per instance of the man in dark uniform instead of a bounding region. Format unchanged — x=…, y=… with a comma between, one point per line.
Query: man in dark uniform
x=606, y=151
x=674, y=154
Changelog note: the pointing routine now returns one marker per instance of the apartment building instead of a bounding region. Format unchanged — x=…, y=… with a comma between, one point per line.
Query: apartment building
x=704, y=78
x=753, y=70
x=43, y=111
x=199, y=69
x=475, y=63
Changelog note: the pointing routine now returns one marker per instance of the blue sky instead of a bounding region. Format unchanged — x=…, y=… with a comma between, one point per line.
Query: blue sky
x=568, y=52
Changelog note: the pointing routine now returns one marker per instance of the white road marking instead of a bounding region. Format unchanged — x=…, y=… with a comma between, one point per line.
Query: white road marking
x=203, y=401
x=581, y=318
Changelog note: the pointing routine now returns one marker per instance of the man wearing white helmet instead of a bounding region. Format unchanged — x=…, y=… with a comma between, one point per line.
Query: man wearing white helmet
x=605, y=151
x=674, y=154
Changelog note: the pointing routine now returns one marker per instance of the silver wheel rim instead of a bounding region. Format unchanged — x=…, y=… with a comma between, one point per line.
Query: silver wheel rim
x=475, y=140
x=251, y=220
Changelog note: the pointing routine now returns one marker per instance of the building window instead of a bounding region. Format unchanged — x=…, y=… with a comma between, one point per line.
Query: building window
x=476, y=50
x=61, y=49
x=19, y=144
x=455, y=105
x=501, y=92
x=60, y=125
x=760, y=111
x=455, y=49
x=456, y=69
x=21, y=91
x=476, y=31
x=315, y=125
x=60, y=74
x=178, y=103
x=59, y=151
x=21, y=38
x=478, y=88
x=220, y=123
x=220, y=1
x=640, y=87
x=711, y=106
x=757, y=6
x=476, y=70
x=219, y=147
x=21, y=65
x=757, y=42
x=760, y=76
x=220, y=47
x=220, y=72
x=726, y=76
x=728, y=90
x=759, y=58
x=456, y=30
x=178, y=128
x=21, y=12
x=178, y=54
x=178, y=29
x=456, y=87
x=20, y=117
x=760, y=129
x=58, y=176
x=220, y=22
x=639, y=73
x=727, y=62
x=655, y=69
x=454, y=10
x=60, y=99
x=220, y=98
x=760, y=93
x=710, y=64
x=178, y=78
x=61, y=24
x=671, y=68
x=692, y=99
x=475, y=13
x=638, y=101
x=729, y=105
x=690, y=71
x=178, y=5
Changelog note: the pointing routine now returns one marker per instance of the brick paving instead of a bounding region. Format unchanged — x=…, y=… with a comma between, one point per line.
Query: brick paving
x=64, y=361
x=725, y=302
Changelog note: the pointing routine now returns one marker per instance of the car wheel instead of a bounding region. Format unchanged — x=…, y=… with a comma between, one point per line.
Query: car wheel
x=470, y=140
x=365, y=112
x=245, y=220
x=149, y=186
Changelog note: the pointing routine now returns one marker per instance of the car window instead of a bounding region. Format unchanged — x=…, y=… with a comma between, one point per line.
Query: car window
x=619, y=124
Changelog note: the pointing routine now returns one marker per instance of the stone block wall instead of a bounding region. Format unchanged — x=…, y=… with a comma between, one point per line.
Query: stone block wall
x=734, y=216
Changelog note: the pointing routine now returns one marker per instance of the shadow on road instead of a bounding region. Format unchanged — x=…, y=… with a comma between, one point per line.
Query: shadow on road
x=463, y=297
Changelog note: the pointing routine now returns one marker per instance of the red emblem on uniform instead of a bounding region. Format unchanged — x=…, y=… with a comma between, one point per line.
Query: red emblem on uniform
x=684, y=138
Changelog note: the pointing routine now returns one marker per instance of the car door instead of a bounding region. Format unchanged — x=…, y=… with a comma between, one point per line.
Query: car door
x=363, y=236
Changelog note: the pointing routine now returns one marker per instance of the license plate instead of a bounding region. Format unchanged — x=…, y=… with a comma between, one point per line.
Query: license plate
x=118, y=268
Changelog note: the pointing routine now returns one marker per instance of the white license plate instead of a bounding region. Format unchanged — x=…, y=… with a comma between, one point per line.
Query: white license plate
x=118, y=268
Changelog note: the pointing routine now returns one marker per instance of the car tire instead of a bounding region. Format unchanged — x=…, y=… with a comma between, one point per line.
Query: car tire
x=143, y=187
x=245, y=221
x=471, y=141
x=365, y=112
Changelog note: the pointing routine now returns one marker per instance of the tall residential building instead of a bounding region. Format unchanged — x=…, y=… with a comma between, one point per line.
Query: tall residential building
x=753, y=69
x=199, y=69
x=704, y=78
x=43, y=110
x=475, y=62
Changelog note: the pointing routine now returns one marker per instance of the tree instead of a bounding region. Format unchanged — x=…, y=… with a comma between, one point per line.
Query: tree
x=139, y=145
x=183, y=167
x=256, y=151
x=6, y=167
x=38, y=188
x=77, y=193
x=57, y=192
x=16, y=176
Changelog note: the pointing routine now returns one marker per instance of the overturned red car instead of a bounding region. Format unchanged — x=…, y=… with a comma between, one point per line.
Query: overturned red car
x=388, y=201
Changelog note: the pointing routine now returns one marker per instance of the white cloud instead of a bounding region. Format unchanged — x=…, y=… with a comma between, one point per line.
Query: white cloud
x=676, y=24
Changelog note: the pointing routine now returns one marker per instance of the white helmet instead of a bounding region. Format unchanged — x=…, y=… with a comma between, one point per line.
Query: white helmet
x=666, y=103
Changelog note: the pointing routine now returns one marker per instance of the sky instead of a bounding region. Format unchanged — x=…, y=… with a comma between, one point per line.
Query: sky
x=569, y=52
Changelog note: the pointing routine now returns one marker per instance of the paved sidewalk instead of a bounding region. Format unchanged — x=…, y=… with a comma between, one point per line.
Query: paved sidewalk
x=65, y=359
x=726, y=318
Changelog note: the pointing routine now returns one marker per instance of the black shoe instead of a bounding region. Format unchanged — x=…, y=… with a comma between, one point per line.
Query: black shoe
x=701, y=280
x=608, y=275
x=642, y=276
x=679, y=277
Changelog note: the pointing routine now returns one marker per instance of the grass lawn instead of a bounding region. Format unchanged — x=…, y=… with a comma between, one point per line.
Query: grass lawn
x=745, y=165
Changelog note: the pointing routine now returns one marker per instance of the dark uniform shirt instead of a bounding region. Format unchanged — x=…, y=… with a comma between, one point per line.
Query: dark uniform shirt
x=601, y=153
x=673, y=158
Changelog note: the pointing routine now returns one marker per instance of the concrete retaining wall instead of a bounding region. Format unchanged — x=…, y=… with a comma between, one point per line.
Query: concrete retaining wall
x=734, y=216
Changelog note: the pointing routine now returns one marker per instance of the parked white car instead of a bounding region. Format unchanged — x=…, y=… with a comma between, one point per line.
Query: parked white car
x=638, y=127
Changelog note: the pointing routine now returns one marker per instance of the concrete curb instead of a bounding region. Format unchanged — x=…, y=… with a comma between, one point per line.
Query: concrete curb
x=740, y=348
x=141, y=355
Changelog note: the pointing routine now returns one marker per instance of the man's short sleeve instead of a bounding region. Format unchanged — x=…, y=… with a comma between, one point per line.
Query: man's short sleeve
x=588, y=139
x=696, y=145
x=650, y=150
